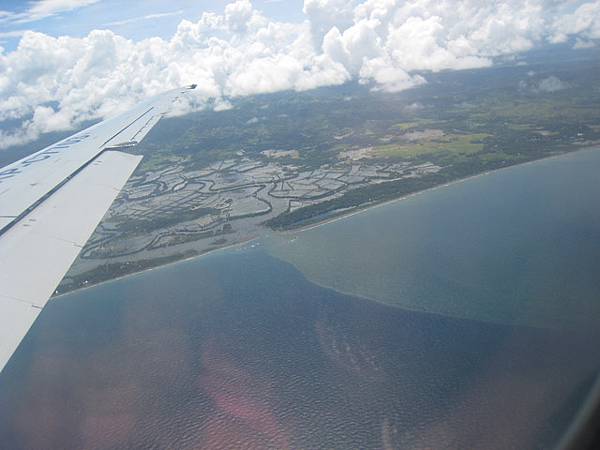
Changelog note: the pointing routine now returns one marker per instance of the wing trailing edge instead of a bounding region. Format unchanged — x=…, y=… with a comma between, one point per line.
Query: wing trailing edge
x=50, y=204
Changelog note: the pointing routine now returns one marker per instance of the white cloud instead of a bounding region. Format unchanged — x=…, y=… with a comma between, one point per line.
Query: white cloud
x=549, y=84
x=41, y=9
x=552, y=84
x=4, y=35
x=12, y=34
x=583, y=22
x=583, y=43
x=55, y=83
x=323, y=15
x=145, y=17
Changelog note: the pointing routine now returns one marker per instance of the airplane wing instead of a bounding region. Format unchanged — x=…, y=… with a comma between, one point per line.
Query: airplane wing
x=50, y=204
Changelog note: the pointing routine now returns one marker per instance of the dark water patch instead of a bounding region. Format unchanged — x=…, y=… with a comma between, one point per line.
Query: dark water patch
x=239, y=350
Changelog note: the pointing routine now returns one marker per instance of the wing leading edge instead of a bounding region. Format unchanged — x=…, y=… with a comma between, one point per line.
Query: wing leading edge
x=50, y=204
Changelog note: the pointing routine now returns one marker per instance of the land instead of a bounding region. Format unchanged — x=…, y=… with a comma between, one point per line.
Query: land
x=282, y=161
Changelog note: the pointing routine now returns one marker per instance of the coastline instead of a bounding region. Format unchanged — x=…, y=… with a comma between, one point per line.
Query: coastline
x=369, y=206
x=343, y=215
x=305, y=261
x=149, y=269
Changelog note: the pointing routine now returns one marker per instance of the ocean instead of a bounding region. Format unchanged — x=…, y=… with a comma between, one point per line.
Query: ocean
x=462, y=317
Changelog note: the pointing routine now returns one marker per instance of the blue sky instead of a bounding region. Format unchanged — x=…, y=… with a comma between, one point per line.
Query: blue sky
x=126, y=18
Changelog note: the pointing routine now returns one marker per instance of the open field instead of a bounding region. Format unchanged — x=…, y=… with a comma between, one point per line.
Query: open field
x=452, y=143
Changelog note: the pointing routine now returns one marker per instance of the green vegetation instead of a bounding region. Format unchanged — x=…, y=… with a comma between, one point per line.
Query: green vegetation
x=371, y=194
x=484, y=119
x=453, y=143
x=132, y=226
x=459, y=124
x=405, y=126
x=157, y=161
x=520, y=126
x=110, y=271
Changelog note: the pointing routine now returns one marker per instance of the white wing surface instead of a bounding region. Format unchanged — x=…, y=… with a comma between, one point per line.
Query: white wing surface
x=50, y=204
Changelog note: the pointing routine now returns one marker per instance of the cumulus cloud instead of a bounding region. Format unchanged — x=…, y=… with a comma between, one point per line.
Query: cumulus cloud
x=583, y=22
x=52, y=84
x=543, y=85
x=552, y=84
x=583, y=43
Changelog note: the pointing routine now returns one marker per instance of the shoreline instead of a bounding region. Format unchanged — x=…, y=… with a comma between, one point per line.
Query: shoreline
x=160, y=266
x=367, y=206
x=301, y=229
